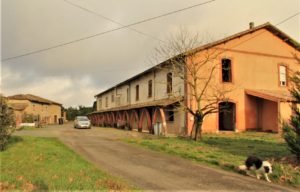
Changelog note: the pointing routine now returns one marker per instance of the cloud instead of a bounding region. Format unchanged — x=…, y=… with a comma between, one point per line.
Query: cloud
x=73, y=74
x=63, y=89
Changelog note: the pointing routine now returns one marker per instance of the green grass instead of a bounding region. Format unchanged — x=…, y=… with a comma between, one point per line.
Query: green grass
x=28, y=128
x=227, y=151
x=37, y=164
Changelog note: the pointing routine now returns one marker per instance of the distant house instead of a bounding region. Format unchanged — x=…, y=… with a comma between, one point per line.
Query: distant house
x=255, y=63
x=42, y=110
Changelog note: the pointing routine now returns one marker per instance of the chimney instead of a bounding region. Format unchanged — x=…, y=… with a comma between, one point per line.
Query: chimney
x=251, y=25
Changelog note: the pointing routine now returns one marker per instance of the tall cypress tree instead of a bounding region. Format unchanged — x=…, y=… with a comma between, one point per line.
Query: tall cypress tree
x=291, y=130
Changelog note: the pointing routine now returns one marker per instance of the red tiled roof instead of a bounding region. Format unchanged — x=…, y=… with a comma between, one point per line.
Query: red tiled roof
x=32, y=98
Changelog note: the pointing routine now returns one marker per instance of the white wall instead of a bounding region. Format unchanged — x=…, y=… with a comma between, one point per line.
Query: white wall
x=159, y=90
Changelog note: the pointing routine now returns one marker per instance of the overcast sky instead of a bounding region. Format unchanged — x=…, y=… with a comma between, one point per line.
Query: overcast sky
x=74, y=73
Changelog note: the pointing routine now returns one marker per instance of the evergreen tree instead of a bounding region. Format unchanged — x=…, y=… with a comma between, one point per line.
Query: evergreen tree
x=291, y=130
x=7, y=122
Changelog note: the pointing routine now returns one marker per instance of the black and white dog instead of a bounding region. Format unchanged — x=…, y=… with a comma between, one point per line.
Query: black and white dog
x=255, y=164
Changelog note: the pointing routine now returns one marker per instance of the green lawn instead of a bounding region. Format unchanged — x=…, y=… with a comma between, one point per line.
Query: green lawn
x=35, y=164
x=28, y=128
x=229, y=150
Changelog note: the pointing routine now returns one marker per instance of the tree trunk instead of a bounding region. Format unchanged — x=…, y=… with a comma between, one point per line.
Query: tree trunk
x=198, y=123
x=192, y=131
x=198, y=131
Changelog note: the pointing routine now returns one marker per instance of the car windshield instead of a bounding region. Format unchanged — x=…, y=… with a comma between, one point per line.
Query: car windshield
x=82, y=119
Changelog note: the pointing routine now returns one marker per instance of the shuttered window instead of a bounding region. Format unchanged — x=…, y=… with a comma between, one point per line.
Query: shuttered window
x=282, y=75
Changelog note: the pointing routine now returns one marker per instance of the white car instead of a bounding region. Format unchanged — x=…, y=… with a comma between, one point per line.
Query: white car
x=82, y=122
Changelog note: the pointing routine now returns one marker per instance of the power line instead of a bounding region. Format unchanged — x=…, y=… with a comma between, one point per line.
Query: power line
x=290, y=17
x=108, y=31
x=111, y=20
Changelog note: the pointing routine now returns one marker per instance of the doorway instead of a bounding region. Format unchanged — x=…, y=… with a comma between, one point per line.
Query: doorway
x=227, y=114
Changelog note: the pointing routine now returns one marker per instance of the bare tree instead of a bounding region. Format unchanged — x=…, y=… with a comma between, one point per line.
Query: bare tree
x=197, y=68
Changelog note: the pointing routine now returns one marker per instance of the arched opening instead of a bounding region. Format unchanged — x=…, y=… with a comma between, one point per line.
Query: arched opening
x=107, y=120
x=227, y=114
x=145, y=121
x=119, y=120
x=134, y=120
x=113, y=122
x=159, y=123
x=101, y=120
x=126, y=120
x=97, y=119
x=104, y=121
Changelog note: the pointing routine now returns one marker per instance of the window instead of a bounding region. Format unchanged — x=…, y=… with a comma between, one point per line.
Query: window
x=112, y=97
x=106, y=101
x=127, y=90
x=226, y=70
x=171, y=115
x=282, y=75
x=137, y=94
x=100, y=103
x=150, y=88
x=169, y=83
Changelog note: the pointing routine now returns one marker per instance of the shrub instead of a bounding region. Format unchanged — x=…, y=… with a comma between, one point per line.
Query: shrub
x=7, y=122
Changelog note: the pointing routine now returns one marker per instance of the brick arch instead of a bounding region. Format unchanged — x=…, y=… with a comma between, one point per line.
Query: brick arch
x=126, y=119
x=119, y=116
x=134, y=117
x=119, y=119
x=107, y=119
x=160, y=112
x=145, y=116
x=113, y=121
x=101, y=120
x=96, y=119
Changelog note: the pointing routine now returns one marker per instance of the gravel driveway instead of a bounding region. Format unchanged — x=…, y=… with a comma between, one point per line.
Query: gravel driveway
x=146, y=169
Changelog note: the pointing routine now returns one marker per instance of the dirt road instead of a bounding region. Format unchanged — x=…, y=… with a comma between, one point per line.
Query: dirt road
x=146, y=169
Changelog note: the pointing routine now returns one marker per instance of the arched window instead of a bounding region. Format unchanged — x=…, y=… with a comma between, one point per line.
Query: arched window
x=169, y=83
x=226, y=70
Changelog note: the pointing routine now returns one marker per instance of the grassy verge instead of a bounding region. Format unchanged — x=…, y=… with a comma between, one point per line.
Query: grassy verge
x=28, y=128
x=37, y=164
x=227, y=151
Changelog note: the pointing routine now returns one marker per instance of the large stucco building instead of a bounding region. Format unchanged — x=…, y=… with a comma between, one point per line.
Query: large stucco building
x=43, y=110
x=254, y=64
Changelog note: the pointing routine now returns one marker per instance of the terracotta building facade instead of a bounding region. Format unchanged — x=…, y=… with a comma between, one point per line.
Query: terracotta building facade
x=255, y=64
x=42, y=110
